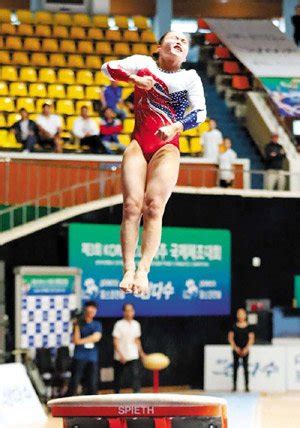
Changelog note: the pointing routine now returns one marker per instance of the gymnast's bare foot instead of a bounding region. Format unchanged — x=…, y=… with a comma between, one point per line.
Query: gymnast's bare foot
x=140, y=282
x=127, y=282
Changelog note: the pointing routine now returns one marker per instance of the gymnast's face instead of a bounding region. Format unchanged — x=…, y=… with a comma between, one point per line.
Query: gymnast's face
x=174, y=45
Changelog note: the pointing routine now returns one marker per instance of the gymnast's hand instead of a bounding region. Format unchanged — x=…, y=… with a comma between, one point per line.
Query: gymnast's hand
x=142, y=82
x=167, y=133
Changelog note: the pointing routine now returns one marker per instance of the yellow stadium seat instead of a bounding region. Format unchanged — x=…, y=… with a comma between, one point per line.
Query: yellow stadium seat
x=113, y=35
x=131, y=36
x=124, y=139
x=32, y=44
x=61, y=18
x=100, y=21
x=93, y=62
x=66, y=76
x=4, y=57
x=40, y=102
x=70, y=122
x=139, y=49
x=121, y=21
x=37, y=90
x=5, y=15
x=190, y=132
x=3, y=138
x=81, y=20
x=68, y=46
x=121, y=48
x=128, y=125
x=141, y=22
x=34, y=116
x=75, y=92
x=39, y=59
x=18, y=89
x=148, y=36
x=3, y=89
x=75, y=61
x=27, y=103
x=184, y=146
x=57, y=60
x=3, y=123
x=204, y=127
x=1, y=43
x=25, y=30
x=60, y=32
x=196, y=146
x=95, y=34
x=49, y=45
x=56, y=91
x=84, y=77
x=12, y=118
x=65, y=107
x=12, y=143
x=87, y=104
x=20, y=58
x=25, y=16
x=110, y=58
x=7, y=28
x=47, y=75
x=9, y=73
x=101, y=79
x=28, y=74
x=13, y=43
x=77, y=33
x=43, y=30
x=93, y=92
x=42, y=17
x=85, y=47
x=7, y=104
x=103, y=48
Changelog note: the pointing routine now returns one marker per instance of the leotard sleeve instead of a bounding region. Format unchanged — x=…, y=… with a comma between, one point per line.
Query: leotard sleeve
x=121, y=69
x=197, y=112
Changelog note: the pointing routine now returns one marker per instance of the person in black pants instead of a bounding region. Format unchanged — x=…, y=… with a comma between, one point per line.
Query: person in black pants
x=241, y=337
x=296, y=23
x=85, y=366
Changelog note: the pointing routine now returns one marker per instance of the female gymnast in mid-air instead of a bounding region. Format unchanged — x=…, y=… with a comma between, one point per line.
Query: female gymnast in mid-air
x=167, y=101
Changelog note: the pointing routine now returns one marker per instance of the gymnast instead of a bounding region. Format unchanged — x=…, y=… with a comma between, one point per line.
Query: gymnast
x=167, y=101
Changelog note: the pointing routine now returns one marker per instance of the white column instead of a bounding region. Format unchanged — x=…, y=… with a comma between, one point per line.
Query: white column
x=163, y=17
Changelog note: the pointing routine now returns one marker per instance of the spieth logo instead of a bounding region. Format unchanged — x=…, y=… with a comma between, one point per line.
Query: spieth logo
x=136, y=410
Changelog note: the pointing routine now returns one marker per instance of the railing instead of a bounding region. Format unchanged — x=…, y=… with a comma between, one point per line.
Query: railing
x=33, y=189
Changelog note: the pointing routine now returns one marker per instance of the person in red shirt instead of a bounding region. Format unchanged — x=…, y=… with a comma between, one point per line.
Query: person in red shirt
x=110, y=128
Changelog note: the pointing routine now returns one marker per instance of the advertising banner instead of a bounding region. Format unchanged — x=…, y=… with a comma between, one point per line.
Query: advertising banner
x=190, y=274
x=285, y=93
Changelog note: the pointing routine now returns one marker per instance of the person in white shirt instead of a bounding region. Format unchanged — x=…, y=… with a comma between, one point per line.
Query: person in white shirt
x=86, y=129
x=211, y=142
x=50, y=126
x=226, y=164
x=127, y=349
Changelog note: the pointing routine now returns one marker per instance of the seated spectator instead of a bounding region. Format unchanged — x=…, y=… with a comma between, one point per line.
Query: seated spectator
x=26, y=131
x=49, y=127
x=226, y=164
x=211, y=142
x=275, y=156
x=110, y=127
x=85, y=128
x=112, y=97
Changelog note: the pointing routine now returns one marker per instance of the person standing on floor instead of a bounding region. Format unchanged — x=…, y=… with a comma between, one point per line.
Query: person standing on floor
x=127, y=349
x=226, y=164
x=274, y=157
x=241, y=337
x=211, y=142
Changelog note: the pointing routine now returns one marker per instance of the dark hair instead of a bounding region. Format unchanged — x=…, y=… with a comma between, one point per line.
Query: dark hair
x=160, y=41
x=22, y=109
x=46, y=105
x=91, y=303
x=127, y=304
x=82, y=107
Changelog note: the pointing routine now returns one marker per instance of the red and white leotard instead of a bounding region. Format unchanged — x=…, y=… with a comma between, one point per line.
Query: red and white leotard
x=174, y=97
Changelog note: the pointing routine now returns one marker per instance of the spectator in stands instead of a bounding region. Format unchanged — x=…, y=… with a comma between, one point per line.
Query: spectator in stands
x=193, y=55
x=211, y=142
x=49, y=126
x=274, y=155
x=128, y=349
x=112, y=97
x=110, y=127
x=85, y=128
x=296, y=23
x=241, y=337
x=226, y=164
x=85, y=367
x=26, y=131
